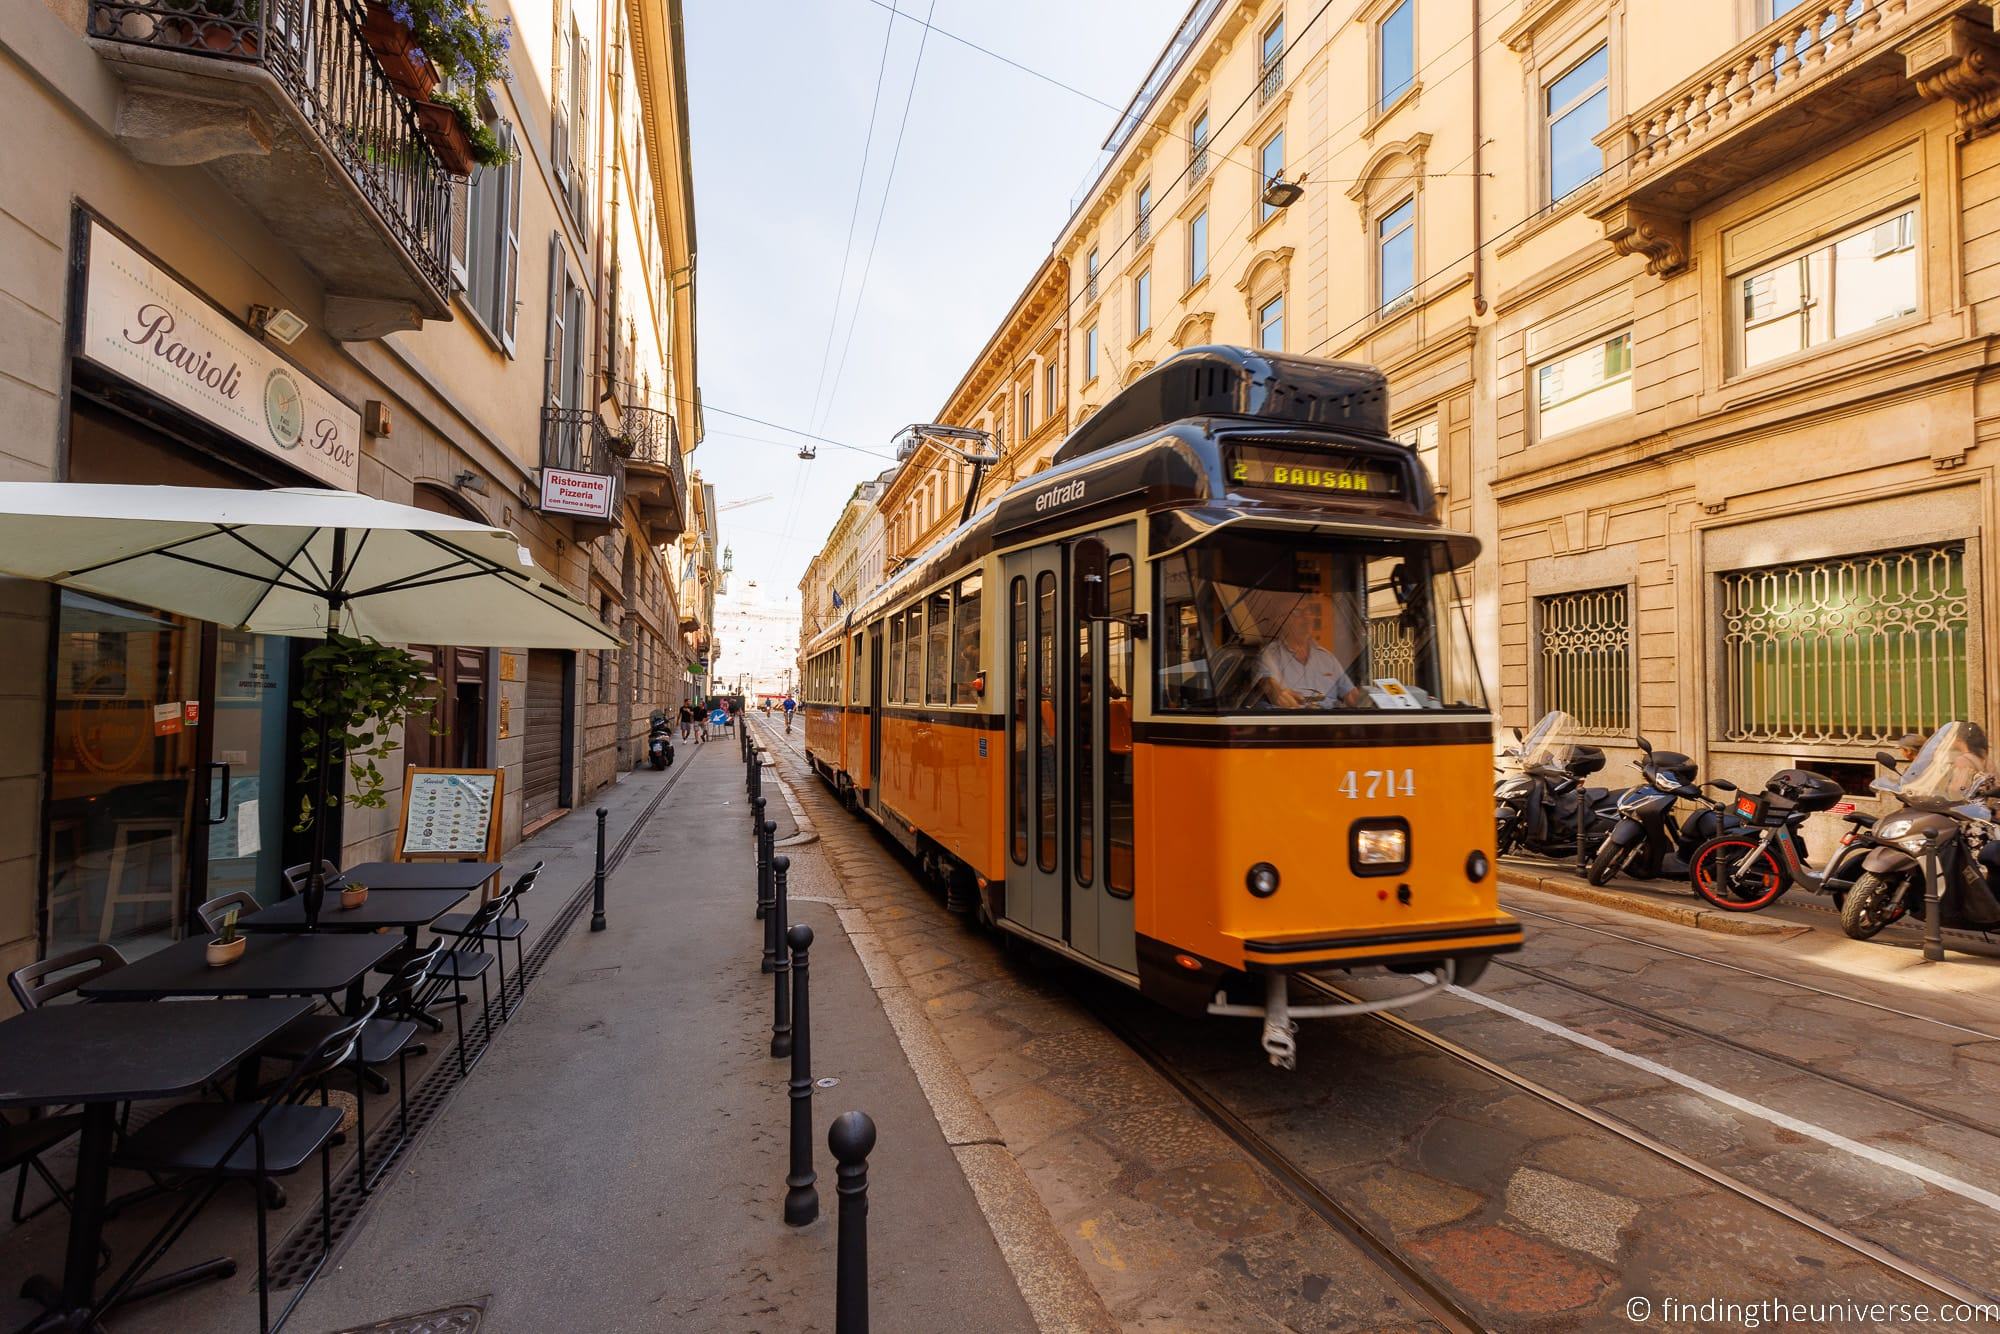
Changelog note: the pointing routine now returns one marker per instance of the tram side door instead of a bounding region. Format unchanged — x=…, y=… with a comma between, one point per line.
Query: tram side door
x=874, y=702
x=1035, y=613
x=1098, y=665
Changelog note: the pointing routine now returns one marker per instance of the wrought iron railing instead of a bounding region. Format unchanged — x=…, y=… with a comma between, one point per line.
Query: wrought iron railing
x=1851, y=651
x=1143, y=232
x=315, y=52
x=652, y=436
x=1269, y=80
x=1198, y=165
x=574, y=439
x=1584, y=657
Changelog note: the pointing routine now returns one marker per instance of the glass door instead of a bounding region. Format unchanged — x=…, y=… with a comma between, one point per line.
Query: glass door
x=127, y=709
x=244, y=817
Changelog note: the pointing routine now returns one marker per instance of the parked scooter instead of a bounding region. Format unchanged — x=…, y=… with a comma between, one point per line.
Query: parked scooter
x=1948, y=796
x=1751, y=867
x=660, y=740
x=1648, y=839
x=1539, y=800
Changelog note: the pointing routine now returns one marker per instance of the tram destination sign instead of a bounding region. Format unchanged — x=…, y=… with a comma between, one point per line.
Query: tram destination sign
x=1320, y=471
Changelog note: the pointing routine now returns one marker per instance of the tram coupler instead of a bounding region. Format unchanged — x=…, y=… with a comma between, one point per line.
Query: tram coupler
x=1281, y=1017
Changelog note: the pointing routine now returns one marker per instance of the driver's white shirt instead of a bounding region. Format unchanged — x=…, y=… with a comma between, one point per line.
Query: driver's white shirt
x=1320, y=672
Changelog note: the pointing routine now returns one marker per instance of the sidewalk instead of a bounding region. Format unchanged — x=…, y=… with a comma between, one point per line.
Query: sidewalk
x=617, y=1161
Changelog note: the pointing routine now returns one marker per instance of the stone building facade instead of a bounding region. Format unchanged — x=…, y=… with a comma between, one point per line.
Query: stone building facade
x=515, y=347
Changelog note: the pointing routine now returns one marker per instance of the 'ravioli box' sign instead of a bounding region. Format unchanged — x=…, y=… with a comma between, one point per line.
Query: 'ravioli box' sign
x=585, y=493
x=142, y=323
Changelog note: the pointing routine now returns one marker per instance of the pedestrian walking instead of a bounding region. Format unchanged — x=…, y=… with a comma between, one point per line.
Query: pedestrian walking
x=790, y=705
x=687, y=719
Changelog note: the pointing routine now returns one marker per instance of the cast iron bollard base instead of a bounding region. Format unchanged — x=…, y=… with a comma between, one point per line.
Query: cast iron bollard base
x=767, y=891
x=781, y=968
x=851, y=1138
x=801, y=1195
x=597, y=882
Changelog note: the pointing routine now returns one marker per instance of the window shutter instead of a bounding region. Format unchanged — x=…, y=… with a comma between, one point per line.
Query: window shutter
x=552, y=367
x=461, y=210
x=559, y=86
x=510, y=252
x=580, y=136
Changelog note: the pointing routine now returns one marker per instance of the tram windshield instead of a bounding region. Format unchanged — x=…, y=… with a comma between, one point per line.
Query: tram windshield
x=1955, y=766
x=1261, y=621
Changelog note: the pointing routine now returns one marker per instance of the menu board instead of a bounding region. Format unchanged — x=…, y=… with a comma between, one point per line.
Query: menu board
x=450, y=813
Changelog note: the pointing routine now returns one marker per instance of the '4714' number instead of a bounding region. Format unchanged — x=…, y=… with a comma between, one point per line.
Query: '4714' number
x=1375, y=784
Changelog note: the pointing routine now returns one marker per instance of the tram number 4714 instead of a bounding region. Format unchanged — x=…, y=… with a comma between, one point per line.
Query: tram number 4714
x=1372, y=784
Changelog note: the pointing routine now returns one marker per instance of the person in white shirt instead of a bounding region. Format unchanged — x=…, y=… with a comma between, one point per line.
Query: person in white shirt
x=1296, y=672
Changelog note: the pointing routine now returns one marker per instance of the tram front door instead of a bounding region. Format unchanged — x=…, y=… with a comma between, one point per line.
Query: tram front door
x=1069, y=754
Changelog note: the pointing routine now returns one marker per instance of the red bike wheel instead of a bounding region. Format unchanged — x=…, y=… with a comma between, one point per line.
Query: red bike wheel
x=1757, y=886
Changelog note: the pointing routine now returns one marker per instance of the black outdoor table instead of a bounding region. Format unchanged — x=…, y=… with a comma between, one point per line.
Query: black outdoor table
x=462, y=876
x=318, y=964
x=103, y=1055
x=409, y=909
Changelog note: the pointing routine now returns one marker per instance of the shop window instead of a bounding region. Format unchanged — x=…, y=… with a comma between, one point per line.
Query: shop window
x=1857, y=282
x=1587, y=385
x=1850, y=651
x=1583, y=662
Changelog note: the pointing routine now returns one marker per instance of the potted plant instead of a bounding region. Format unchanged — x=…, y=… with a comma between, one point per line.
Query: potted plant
x=459, y=134
x=358, y=690
x=227, y=947
x=394, y=42
x=353, y=895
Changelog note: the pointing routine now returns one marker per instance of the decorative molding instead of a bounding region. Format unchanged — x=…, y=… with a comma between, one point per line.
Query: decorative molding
x=1415, y=148
x=1661, y=237
x=1194, y=330
x=1955, y=62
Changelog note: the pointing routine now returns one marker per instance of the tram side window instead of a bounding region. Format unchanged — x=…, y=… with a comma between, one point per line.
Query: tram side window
x=854, y=683
x=913, y=656
x=965, y=664
x=893, y=686
x=1118, y=731
x=937, y=649
x=1045, y=721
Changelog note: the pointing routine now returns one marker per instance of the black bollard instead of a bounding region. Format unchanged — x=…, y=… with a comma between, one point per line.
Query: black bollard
x=756, y=815
x=851, y=1138
x=1933, y=897
x=781, y=967
x=801, y=1195
x=756, y=772
x=773, y=942
x=597, y=881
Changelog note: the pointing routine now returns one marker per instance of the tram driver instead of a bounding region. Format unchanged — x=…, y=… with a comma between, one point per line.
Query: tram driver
x=1295, y=671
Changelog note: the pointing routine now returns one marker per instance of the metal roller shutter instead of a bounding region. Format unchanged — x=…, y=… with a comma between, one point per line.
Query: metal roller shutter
x=541, y=778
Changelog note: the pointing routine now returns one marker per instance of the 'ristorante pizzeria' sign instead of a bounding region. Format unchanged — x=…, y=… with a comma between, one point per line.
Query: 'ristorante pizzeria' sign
x=141, y=323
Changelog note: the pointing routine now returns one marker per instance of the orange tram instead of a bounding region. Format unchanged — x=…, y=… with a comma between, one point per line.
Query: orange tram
x=1196, y=707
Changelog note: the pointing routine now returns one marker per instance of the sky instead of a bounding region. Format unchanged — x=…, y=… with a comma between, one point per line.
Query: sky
x=780, y=98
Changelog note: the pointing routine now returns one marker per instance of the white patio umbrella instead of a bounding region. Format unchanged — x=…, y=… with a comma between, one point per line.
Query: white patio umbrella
x=293, y=561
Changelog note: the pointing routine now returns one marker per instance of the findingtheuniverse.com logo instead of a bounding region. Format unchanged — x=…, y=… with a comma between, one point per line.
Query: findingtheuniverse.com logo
x=1718, y=1313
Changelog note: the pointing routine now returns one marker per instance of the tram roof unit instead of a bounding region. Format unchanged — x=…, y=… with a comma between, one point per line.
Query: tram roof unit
x=1159, y=449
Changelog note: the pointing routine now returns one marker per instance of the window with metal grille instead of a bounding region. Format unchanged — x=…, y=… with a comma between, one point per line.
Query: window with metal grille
x=1850, y=651
x=1584, y=659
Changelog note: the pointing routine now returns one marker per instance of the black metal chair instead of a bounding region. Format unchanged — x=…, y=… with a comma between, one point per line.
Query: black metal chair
x=298, y=877
x=244, y=1141
x=36, y=984
x=506, y=928
x=240, y=899
x=388, y=1036
x=459, y=965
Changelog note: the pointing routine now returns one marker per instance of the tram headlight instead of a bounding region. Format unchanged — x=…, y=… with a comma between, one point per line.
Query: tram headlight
x=1476, y=866
x=1262, y=880
x=1379, y=847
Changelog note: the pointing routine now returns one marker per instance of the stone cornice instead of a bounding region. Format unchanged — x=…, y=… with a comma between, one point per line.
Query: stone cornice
x=996, y=362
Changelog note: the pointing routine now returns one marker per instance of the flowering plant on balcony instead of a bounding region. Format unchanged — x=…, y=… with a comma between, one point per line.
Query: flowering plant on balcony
x=465, y=44
x=452, y=49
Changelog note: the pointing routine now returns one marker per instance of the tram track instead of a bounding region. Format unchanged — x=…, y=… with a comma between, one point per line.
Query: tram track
x=1655, y=1017
x=1830, y=1231
x=1710, y=961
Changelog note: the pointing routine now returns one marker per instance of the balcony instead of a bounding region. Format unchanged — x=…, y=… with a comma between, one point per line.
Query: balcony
x=1270, y=80
x=1825, y=68
x=1198, y=164
x=284, y=103
x=582, y=475
x=655, y=475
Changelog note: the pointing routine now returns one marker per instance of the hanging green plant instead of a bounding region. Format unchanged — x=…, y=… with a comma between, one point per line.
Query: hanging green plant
x=358, y=690
x=487, y=148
